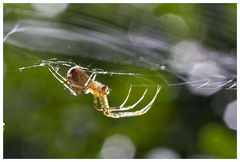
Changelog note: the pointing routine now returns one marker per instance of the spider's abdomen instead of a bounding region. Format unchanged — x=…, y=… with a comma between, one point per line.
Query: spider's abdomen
x=77, y=78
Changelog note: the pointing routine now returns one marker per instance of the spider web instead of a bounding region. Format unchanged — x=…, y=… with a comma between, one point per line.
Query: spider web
x=204, y=71
x=211, y=86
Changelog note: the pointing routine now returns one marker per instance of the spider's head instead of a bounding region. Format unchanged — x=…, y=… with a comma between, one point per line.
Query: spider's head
x=105, y=90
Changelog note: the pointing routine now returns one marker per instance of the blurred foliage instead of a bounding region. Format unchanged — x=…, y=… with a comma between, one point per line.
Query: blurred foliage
x=42, y=120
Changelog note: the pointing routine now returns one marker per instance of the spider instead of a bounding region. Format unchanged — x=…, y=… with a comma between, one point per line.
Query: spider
x=78, y=82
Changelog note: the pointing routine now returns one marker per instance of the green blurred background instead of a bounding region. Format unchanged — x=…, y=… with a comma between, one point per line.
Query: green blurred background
x=42, y=120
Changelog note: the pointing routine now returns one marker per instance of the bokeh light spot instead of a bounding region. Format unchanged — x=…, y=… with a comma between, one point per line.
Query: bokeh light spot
x=162, y=153
x=49, y=10
x=230, y=115
x=117, y=147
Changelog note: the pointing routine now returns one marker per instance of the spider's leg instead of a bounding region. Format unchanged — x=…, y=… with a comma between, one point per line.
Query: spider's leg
x=129, y=91
x=135, y=113
x=121, y=108
x=53, y=70
x=129, y=107
x=146, y=108
x=91, y=78
x=94, y=76
x=96, y=105
x=121, y=114
x=61, y=79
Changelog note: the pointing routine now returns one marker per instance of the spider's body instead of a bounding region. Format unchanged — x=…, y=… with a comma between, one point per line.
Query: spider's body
x=79, y=82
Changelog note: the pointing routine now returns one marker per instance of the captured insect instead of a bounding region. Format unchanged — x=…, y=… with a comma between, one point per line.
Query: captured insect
x=78, y=82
